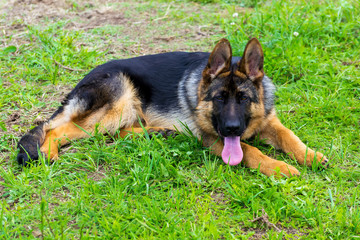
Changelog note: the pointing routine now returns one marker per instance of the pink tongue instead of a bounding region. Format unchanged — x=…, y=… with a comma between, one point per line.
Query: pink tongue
x=232, y=150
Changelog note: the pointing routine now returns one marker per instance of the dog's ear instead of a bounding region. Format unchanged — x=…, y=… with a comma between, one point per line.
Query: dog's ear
x=252, y=61
x=220, y=59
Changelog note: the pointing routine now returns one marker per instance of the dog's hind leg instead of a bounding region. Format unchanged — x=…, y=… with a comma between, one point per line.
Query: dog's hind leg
x=107, y=100
x=283, y=138
x=254, y=158
x=70, y=131
x=61, y=127
x=60, y=136
x=36, y=139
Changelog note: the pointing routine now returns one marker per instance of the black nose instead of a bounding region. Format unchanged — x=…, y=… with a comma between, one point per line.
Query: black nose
x=232, y=127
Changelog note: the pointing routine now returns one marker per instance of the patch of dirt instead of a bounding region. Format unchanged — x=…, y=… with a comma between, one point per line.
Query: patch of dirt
x=13, y=117
x=263, y=219
x=219, y=198
x=355, y=63
x=144, y=29
x=95, y=18
x=61, y=196
x=36, y=233
x=260, y=233
x=98, y=175
x=1, y=188
x=28, y=12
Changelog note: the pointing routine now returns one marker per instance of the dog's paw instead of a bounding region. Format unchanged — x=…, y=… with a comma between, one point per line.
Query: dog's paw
x=311, y=156
x=284, y=170
x=52, y=154
x=319, y=158
x=163, y=132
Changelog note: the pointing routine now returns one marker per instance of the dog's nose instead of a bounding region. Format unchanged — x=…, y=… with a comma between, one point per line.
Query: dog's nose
x=232, y=127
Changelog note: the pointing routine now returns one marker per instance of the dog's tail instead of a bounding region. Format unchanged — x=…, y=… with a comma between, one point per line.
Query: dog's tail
x=30, y=143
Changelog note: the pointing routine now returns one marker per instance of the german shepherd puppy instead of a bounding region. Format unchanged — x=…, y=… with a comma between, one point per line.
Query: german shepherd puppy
x=222, y=99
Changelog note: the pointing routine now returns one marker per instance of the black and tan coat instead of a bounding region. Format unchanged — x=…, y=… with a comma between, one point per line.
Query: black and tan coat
x=220, y=98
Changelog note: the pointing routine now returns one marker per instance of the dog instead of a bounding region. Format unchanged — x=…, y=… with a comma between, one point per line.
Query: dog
x=222, y=99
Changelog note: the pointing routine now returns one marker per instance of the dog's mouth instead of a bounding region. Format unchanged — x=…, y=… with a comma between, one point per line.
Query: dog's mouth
x=232, y=153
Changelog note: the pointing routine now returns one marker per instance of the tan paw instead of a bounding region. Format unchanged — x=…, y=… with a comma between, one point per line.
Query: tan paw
x=163, y=132
x=320, y=158
x=53, y=154
x=284, y=170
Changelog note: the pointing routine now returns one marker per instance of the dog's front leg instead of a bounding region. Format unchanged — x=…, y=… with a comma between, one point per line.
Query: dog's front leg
x=283, y=138
x=254, y=158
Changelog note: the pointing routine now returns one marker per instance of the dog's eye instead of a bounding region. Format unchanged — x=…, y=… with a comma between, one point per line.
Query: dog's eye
x=244, y=98
x=219, y=98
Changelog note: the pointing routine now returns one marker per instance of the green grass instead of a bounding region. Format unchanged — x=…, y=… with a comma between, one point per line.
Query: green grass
x=174, y=188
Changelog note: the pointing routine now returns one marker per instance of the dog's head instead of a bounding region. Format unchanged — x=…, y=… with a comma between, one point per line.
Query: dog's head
x=231, y=88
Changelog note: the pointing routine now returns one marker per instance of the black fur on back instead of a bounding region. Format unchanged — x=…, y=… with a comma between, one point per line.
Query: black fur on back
x=156, y=77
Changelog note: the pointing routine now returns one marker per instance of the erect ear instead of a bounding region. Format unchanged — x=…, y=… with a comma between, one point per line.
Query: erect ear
x=220, y=59
x=252, y=61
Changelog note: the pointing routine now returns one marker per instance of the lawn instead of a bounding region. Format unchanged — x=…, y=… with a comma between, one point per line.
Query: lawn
x=157, y=188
